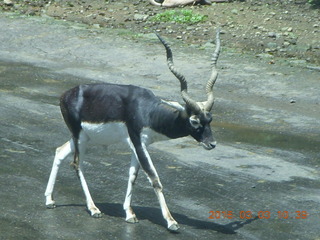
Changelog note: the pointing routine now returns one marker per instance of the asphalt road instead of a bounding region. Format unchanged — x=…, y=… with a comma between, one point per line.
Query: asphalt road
x=261, y=182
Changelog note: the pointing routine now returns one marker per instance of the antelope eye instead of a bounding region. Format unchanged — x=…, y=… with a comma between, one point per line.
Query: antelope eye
x=195, y=122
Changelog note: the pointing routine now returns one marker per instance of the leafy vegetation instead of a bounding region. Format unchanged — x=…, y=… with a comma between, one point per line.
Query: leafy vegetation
x=315, y=2
x=179, y=16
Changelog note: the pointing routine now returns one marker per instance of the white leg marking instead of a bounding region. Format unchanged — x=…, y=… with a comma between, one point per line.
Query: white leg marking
x=61, y=153
x=172, y=224
x=95, y=212
x=133, y=173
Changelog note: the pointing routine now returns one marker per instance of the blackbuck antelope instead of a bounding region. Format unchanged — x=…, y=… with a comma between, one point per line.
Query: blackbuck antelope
x=110, y=113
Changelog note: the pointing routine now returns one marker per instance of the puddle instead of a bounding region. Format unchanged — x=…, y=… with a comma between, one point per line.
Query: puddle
x=237, y=134
x=35, y=83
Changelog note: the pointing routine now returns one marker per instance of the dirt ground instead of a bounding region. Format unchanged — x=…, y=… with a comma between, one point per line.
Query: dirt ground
x=286, y=28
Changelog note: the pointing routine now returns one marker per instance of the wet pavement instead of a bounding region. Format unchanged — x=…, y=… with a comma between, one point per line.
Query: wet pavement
x=261, y=182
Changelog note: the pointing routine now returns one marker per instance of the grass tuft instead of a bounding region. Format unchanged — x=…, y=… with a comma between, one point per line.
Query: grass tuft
x=179, y=16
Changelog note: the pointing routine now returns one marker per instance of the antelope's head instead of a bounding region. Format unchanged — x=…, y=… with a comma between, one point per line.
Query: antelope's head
x=198, y=112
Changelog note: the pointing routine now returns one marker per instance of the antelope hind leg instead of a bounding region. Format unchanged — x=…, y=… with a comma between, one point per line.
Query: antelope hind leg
x=94, y=211
x=133, y=173
x=62, y=153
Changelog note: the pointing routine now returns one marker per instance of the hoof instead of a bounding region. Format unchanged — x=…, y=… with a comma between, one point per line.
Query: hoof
x=174, y=227
x=132, y=220
x=97, y=215
x=51, y=206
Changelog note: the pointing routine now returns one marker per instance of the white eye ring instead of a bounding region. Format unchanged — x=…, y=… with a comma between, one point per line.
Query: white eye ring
x=195, y=122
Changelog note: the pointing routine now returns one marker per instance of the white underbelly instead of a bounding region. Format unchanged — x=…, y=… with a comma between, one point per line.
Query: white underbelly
x=114, y=133
x=105, y=133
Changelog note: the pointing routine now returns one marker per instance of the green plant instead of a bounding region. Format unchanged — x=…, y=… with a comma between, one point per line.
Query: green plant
x=179, y=16
x=315, y=2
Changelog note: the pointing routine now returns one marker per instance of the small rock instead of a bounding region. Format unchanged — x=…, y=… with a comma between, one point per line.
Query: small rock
x=292, y=101
x=209, y=45
x=272, y=45
x=272, y=34
x=298, y=62
x=140, y=17
x=315, y=44
x=264, y=55
x=262, y=28
x=234, y=11
x=190, y=28
x=286, y=44
x=8, y=2
x=290, y=29
x=293, y=40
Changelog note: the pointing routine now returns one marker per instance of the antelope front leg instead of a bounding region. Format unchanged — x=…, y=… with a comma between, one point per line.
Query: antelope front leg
x=148, y=167
x=172, y=224
x=133, y=173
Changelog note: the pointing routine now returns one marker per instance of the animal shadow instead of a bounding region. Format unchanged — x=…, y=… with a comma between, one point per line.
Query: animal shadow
x=154, y=215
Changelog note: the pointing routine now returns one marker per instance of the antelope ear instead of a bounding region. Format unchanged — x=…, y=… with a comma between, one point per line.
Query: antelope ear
x=175, y=105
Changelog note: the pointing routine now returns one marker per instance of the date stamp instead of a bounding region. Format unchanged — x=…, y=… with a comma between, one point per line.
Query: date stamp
x=258, y=214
